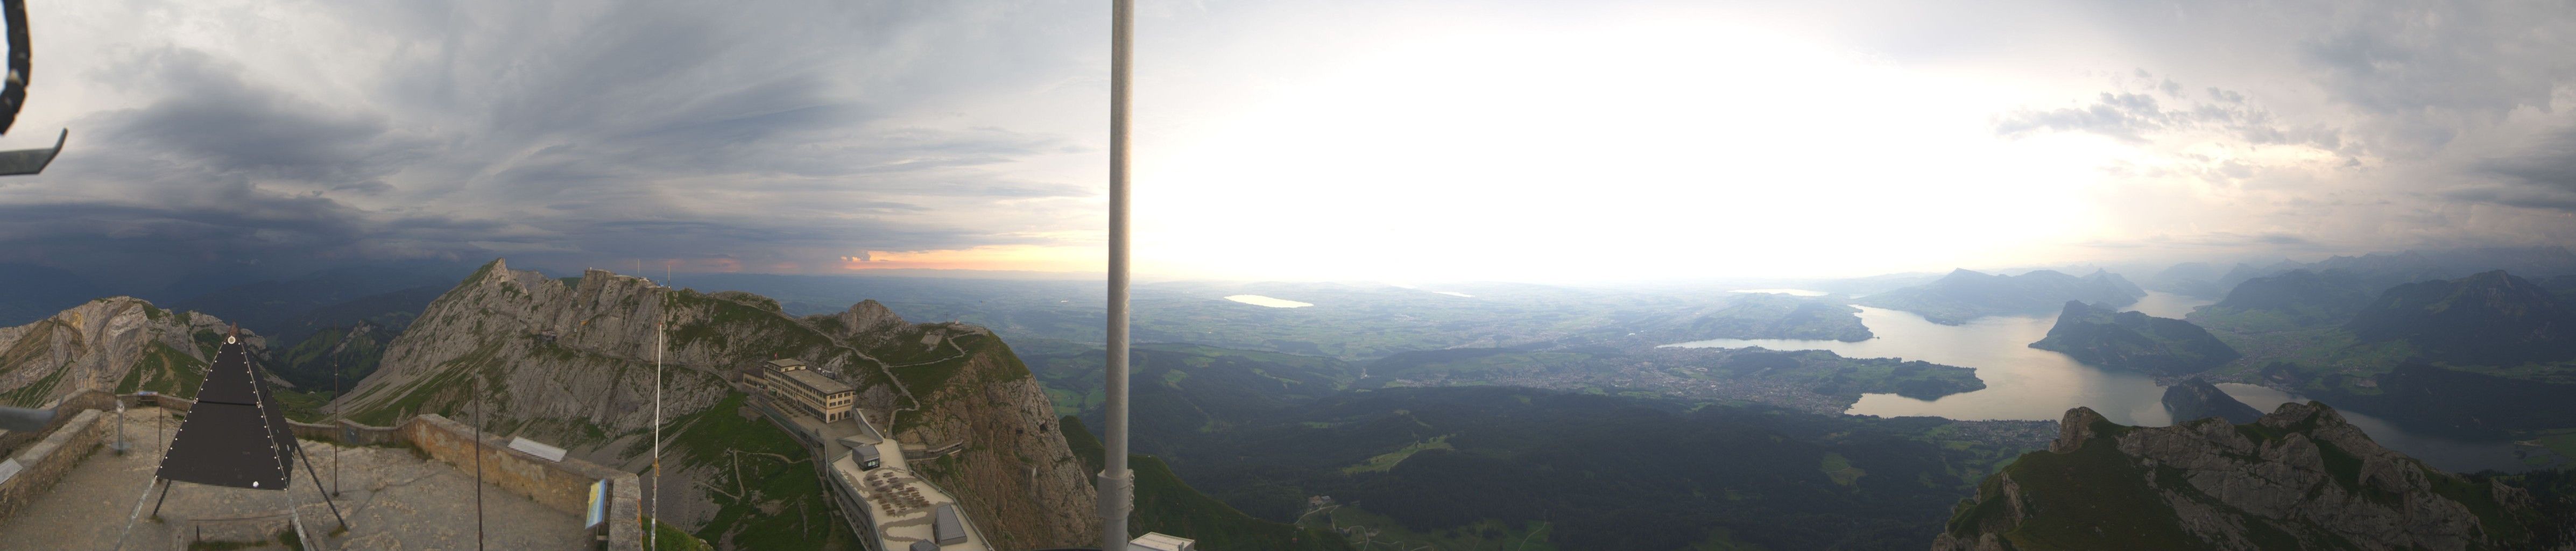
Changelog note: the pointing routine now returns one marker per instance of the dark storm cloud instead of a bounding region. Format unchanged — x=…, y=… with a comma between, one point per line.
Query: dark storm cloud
x=2542, y=176
x=764, y=131
x=211, y=124
x=2550, y=162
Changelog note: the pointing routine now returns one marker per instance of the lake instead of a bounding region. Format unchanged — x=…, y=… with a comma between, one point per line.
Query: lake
x=2029, y=383
x=1258, y=300
x=1790, y=292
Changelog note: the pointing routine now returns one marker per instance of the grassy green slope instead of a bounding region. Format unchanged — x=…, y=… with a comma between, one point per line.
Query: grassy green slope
x=1167, y=505
x=765, y=487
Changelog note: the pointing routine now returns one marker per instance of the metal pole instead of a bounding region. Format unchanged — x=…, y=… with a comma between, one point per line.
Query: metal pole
x=653, y=532
x=1117, y=484
x=335, y=421
x=165, y=497
x=317, y=484
x=473, y=386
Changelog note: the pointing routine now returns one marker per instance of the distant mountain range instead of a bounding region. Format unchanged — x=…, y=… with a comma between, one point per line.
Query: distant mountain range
x=2375, y=271
x=2492, y=318
x=2299, y=478
x=1761, y=316
x=1965, y=295
x=2195, y=279
x=2133, y=341
x=30, y=292
x=2488, y=355
x=292, y=308
x=2297, y=298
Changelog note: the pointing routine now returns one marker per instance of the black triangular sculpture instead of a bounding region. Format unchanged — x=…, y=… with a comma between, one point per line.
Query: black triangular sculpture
x=234, y=436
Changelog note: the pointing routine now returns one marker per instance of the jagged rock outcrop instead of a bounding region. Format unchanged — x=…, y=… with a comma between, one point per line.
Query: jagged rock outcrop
x=2195, y=398
x=2134, y=341
x=2299, y=478
x=569, y=361
x=867, y=322
x=115, y=344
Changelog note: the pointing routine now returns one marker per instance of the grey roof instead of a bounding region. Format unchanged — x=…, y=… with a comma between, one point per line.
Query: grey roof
x=945, y=526
x=816, y=381
x=787, y=362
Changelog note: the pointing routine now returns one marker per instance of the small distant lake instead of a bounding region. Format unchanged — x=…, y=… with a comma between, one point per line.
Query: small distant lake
x=1791, y=292
x=1258, y=300
x=2029, y=383
x=1455, y=294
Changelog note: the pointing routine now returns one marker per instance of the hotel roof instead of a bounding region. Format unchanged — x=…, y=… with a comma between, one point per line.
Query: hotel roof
x=816, y=381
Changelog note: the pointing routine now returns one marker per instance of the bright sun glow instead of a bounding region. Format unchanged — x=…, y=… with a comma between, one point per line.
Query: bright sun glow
x=1644, y=149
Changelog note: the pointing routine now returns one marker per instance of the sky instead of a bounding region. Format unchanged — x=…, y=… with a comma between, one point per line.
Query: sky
x=1289, y=140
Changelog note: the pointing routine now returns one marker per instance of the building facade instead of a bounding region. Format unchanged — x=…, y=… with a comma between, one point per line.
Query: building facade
x=788, y=381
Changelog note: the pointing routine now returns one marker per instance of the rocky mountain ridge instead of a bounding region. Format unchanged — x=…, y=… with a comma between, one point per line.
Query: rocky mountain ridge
x=2298, y=478
x=115, y=344
x=569, y=361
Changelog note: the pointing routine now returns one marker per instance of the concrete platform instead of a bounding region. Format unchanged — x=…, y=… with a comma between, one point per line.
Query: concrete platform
x=394, y=500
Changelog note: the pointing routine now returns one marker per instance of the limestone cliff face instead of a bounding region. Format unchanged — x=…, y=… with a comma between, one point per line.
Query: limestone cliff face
x=1013, y=470
x=116, y=344
x=569, y=361
x=2299, y=478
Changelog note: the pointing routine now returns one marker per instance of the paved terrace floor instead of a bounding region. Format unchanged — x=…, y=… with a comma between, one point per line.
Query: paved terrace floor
x=393, y=499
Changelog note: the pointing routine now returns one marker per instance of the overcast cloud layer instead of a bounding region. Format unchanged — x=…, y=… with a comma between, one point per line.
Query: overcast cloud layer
x=817, y=137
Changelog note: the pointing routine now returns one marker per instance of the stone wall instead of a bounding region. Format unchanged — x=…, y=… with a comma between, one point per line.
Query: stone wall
x=563, y=485
x=64, y=410
x=45, y=462
x=344, y=432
